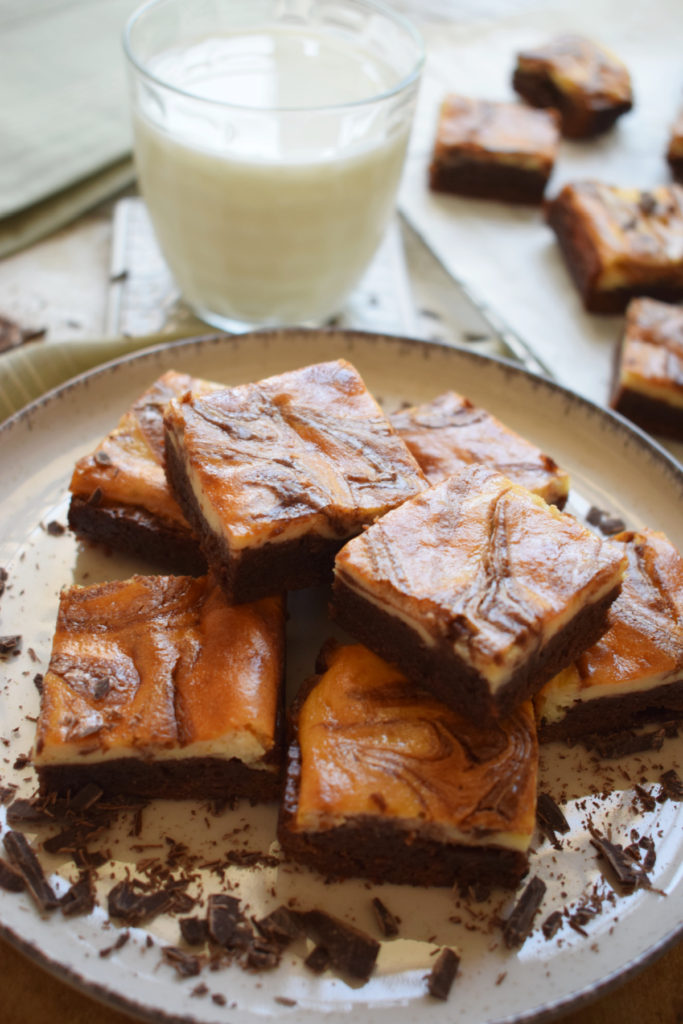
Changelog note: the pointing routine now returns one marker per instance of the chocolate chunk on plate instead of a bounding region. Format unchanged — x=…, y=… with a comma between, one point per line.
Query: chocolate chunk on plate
x=350, y=950
x=519, y=923
x=442, y=974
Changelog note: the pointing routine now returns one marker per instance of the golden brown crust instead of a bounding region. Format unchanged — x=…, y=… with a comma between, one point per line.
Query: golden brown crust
x=373, y=744
x=620, y=242
x=450, y=432
x=159, y=662
x=127, y=467
x=644, y=641
x=648, y=379
x=308, y=451
x=588, y=84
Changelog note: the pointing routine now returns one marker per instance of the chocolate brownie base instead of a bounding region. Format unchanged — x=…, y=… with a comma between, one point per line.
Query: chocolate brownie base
x=135, y=531
x=449, y=678
x=252, y=573
x=579, y=121
x=584, y=266
x=481, y=180
x=382, y=851
x=656, y=417
x=676, y=165
x=192, y=778
x=613, y=714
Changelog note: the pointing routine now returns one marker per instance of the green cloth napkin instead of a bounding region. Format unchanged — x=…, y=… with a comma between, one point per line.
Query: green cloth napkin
x=27, y=373
x=64, y=123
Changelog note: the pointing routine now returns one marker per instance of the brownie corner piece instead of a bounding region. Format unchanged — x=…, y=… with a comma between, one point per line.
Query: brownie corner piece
x=275, y=476
x=493, y=150
x=401, y=795
x=647, y=386
x=620, y=242
x=633, y=675
x=586, y=83
x=156, y=687
x=478, y=588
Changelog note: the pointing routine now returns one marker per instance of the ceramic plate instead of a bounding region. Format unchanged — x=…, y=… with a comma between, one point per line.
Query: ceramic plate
x=611, y=465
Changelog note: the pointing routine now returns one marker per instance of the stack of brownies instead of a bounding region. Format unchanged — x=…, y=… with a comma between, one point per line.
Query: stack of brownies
x=411, y=751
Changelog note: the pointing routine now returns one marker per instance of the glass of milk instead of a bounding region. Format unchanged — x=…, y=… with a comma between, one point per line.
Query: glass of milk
x=269, y=141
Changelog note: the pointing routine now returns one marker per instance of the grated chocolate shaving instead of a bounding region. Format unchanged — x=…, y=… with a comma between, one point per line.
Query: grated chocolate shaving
x=442, y=974
x=79, y=898
x=9, y=644
x=351, y=951
x=627, y=871
x=672, y=787
x=28, y=812
x=263, y=954
x=317, y=960
x=228, y=927
x=194, y=930
x=187, y=965
x=386, y=922
x=133, y=907
x=519, y=923
x=282, y=925
x=23, y=858
x=10, y=879
x=552, y=924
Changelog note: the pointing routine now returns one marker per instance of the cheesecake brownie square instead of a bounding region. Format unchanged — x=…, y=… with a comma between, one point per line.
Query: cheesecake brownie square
x=620, y=243
x=451, y=432
x=674, y=153
x=157, y=687
x=634, y=673
x=385, y=782
x=490, y=150
x=587, y=84
x=275, y=476
x=478, y=589
x=119, y=494
x=648, y=378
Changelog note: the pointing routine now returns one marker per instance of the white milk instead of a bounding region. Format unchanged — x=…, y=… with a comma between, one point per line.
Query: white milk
x=263, y=216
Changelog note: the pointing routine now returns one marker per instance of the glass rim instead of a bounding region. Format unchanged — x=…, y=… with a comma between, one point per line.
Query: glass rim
x=373, y=5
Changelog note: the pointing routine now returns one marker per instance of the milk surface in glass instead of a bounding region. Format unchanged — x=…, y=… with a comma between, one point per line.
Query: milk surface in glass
x=269, y=215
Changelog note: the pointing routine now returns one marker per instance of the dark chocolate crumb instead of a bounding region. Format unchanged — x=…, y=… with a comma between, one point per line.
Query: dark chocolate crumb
x=186, y=964
x=219, y=999
x=627, y=871
x=285, y=1001
x=55, y=529
x=386, y=922
x=22, y=857
x=227, y=925
x=282, y=925
x=200, y=990
x=317, y=960
x=120, y=942
x=4, y=576
x=27, y=812
x=351, y=951
x=10, y=879
x=9, y=644
x=606, y=522
x=102, y=458
x=442, y=975
x=519, y=923
x=263, y=954
x=79, y=898
x=648, y=844
x=133, y=907
x=552, y=924
x=672, y=787
x=194, y=930
x=38, y=681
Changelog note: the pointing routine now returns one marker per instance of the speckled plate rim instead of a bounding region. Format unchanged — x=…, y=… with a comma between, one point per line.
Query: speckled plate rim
x=164, y=352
